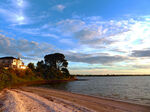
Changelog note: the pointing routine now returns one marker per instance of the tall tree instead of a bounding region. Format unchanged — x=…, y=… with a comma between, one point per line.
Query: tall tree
x=56, y=61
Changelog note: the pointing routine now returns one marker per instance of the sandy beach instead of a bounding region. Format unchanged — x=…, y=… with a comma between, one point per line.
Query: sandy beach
x=36, y=99
x=21, y=101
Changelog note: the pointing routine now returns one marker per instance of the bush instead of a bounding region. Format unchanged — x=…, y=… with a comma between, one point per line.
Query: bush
x=10, y=77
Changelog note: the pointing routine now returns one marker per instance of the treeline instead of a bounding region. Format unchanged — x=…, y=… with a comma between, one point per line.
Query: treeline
x=53, y=67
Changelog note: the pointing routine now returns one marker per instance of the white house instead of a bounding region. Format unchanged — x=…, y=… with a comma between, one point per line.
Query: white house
x=11, y=62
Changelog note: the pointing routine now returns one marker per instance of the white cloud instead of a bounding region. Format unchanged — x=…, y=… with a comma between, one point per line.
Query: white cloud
x=146, y=66
x=59, y=7
x=36, y=32
x=87, y=34
x=93, y=32
x=23, y=48
x=114, y=35
x=118, y=38
x=135, y=39
x=20, y=3
x=95, y=59
x=67, y=41
x=49, y=35
x=70, y=26
x=14, y=12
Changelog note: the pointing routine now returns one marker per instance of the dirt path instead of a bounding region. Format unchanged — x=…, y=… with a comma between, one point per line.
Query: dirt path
x=21, y=101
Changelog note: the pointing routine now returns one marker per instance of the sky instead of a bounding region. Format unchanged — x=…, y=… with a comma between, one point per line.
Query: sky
x=96, y=36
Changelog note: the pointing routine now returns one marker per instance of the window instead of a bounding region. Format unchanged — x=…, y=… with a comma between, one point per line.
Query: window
x=14, y=66
x=6, y=65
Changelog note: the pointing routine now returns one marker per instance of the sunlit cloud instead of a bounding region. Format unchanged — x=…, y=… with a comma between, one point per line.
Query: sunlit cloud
x=129, y=34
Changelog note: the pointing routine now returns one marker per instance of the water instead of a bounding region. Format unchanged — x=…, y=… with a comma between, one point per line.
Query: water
x=135, y=89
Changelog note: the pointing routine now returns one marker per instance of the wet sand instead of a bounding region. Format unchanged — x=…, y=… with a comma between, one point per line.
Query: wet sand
x=93, y=103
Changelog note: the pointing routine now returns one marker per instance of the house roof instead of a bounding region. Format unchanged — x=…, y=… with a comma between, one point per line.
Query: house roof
x=7, y=58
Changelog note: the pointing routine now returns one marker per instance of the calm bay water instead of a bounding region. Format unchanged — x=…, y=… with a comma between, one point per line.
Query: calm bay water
x=134, y=89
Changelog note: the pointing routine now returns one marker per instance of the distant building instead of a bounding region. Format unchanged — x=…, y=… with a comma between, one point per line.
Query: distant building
x=11, y=62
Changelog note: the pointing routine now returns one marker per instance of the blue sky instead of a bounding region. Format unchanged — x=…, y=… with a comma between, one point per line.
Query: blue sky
x=96, y=36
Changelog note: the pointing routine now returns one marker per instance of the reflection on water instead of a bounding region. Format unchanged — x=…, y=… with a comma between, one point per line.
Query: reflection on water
x=129, y=88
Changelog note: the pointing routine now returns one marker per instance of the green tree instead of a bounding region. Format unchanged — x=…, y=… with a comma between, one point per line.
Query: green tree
x=54, y=66
x=31, y=66
x=65, y=71
x=56, y=61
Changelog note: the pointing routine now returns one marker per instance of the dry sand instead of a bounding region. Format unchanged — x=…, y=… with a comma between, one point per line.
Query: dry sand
x=92, y=103
x=36, y=99
x=22, y=101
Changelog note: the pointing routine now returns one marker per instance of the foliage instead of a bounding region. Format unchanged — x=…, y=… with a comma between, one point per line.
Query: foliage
x=56, y=61
x=53, y=67
x=31, y=66
x=9, y=77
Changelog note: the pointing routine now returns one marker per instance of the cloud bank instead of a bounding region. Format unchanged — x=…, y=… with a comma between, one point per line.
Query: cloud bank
x=23, y=48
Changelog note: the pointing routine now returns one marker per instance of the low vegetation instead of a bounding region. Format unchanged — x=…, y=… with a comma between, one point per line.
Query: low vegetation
x=53, y=67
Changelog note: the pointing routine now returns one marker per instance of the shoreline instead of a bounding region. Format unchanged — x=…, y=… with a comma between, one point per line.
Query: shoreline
x=16, y=100
x=38, y=82
x=94, y=103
